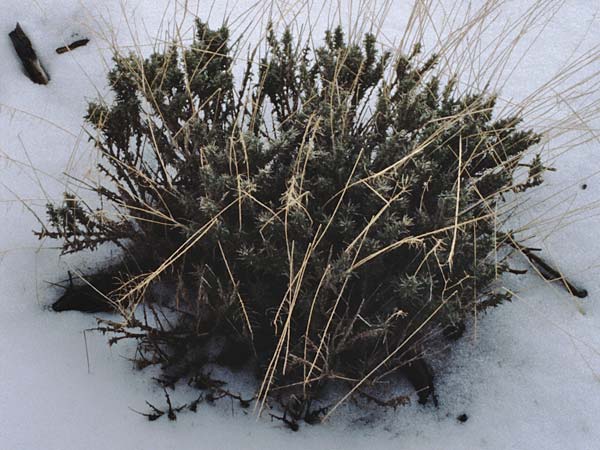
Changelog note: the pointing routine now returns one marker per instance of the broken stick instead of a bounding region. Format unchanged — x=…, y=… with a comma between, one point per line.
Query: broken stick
x=72, y=46
x=547, y=271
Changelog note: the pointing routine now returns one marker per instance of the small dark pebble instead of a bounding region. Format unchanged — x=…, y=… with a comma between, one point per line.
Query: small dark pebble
x=584, y=186
x=462, y=418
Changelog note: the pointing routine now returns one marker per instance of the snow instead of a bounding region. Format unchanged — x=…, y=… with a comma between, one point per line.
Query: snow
x=527, y=375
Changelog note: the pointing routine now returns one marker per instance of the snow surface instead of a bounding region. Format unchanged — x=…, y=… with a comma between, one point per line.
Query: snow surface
x=527, y=375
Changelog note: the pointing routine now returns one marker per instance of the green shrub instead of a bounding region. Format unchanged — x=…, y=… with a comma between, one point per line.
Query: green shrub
x=327, y=218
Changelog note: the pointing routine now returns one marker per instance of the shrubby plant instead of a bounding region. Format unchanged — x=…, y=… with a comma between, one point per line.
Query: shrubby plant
x=330, y=217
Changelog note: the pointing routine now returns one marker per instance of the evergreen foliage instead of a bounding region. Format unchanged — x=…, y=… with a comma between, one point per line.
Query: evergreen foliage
x=324, y=219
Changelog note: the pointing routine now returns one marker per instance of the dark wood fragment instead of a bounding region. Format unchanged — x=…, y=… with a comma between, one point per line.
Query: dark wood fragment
x=72, y=46
x=31, y=64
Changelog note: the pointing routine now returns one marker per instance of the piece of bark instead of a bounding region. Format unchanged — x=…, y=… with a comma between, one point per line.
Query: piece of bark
x=32, y=65
x=72, y=46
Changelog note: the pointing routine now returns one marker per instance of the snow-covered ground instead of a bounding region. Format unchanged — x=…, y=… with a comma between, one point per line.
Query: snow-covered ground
x=528, y=374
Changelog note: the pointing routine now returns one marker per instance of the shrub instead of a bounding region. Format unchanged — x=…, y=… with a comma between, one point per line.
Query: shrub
x=327, y=218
